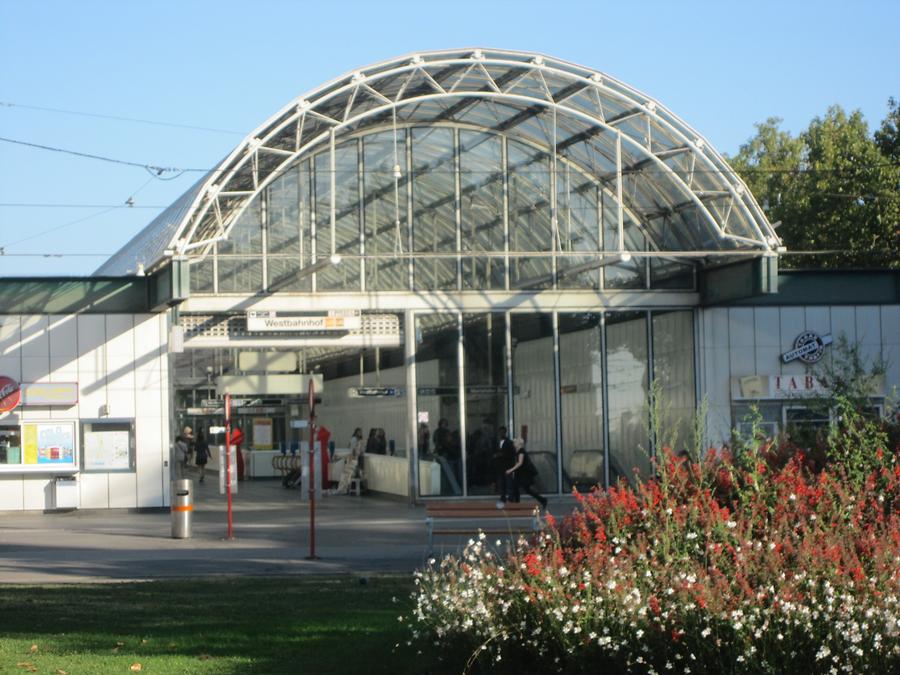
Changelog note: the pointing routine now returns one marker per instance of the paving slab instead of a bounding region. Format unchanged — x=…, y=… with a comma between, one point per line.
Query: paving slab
x=358, y=535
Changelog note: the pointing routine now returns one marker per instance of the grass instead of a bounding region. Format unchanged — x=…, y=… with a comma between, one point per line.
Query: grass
x=230, y=625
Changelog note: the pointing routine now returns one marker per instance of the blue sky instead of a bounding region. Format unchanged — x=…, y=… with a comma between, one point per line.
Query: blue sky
x=720, y=66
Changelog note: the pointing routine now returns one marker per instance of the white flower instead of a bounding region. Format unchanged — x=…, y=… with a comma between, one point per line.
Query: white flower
x=731, y=524
x=639, y=633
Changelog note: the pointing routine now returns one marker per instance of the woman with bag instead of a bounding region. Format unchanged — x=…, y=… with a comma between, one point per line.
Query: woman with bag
x=521, y=475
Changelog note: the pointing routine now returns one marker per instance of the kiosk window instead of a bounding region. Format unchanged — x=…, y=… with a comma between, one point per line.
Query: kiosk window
x=10, y=445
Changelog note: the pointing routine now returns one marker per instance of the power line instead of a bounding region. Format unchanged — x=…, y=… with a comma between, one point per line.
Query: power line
x=3, y=254
x=59, y=227
x=159, y=170
x=9, y=104
x=79, y=206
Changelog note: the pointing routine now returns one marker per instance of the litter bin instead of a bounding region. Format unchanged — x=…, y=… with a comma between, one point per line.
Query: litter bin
x=182, y=508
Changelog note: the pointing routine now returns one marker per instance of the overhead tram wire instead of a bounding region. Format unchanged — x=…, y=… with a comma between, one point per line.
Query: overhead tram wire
x=37, y=205
x=10, y=104
x=159, y=170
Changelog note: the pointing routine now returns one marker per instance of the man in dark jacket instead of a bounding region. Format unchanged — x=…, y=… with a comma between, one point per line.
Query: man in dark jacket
x=504, y=457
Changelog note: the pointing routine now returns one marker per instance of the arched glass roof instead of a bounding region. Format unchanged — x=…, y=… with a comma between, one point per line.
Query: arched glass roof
x=575, y=128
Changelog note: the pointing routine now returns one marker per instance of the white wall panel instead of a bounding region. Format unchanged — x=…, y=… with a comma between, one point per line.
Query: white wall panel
x=122, y=491
x=818, y=319
x=150, y=457
x=91, y=365
x=63, y=335
x=12, y=493
x=741, y=329
x=38, y=493
x=94, y=489
x=843, y=322
x=890, y=336
x=10, y=354
x=767, y=339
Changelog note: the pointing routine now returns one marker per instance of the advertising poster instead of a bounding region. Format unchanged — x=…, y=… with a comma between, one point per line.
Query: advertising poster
x=262, y=433
x=49, y=444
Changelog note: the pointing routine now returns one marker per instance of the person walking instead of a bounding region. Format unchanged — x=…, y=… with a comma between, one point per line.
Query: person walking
x=521, y=475
x=201, y=453
x=181, y=454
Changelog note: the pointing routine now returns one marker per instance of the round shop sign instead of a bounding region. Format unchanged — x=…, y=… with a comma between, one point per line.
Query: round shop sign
x=10, y=394
x=808, y=347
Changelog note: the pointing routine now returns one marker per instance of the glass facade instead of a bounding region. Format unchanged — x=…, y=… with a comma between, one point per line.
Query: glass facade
x=487, y=212
x=585, y=415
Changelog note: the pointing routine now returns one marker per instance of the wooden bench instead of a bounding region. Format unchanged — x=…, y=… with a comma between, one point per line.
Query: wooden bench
x=470, y=517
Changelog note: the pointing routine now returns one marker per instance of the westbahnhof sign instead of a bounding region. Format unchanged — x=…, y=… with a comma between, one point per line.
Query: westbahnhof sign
x=270, y=321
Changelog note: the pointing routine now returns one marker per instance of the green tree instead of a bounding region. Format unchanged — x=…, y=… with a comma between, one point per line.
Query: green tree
x=834, y=187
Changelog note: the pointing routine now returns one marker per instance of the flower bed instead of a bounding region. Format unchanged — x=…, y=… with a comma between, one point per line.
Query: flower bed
x=711, y=568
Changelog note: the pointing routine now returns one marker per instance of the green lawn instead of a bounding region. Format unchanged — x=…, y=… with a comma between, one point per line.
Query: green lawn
x=235, y=625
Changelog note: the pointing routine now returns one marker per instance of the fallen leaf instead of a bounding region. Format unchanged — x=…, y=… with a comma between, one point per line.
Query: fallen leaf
x=136, y=666
x=60, y=671
x=204, y=657
x=34, y=648
x=27, y=666
x=120, y=644
x=143, y=642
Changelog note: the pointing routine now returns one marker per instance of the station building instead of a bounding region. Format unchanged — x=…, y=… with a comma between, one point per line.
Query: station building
x=444, y=244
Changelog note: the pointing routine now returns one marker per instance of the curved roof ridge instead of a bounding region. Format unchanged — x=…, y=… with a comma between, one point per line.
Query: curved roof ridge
x=205, y=212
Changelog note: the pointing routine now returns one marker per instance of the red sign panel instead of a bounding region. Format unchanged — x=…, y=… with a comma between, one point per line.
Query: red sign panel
x=10, y=394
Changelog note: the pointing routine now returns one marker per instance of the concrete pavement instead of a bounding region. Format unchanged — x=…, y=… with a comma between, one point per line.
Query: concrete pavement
x=359, y=535
x=362, y=535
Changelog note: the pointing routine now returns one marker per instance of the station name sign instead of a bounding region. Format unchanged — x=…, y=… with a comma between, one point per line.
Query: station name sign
x=266, y=321
x=375, y=392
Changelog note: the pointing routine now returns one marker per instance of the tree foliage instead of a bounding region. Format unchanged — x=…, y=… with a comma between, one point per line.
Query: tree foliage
x=833, y=187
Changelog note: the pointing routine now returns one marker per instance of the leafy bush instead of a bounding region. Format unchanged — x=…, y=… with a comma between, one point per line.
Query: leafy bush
x=760, y=565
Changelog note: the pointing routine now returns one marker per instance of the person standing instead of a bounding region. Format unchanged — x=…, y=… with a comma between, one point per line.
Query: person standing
x=188, y=435
x=181, y=454
x=237, y=439
x=521, y=475
x=503, y=457
x=323, y=435
x=201, y=453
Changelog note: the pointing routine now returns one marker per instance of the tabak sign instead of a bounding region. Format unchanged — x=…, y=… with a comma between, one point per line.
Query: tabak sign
x=10, y=393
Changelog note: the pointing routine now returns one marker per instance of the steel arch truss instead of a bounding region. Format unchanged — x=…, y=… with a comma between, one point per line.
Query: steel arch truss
x=661, y=173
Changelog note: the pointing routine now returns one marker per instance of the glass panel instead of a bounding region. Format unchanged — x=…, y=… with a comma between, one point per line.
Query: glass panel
x=240, y=275
x=283, y=230
x=627, y=385
x=673, y=371
x=289, y=231
x=481, y=192
x=202, y=276
x=632, y=274
x=484, y=346
x=670, y=274
x=345, y=275
x=434, y=208
x=579, y=229
x=581, y=400
x=437, y=397
x=529, y=215
x=385, y=211
x=534, y=393
x=246, y=235
x=285, y=275
x=10, y=444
